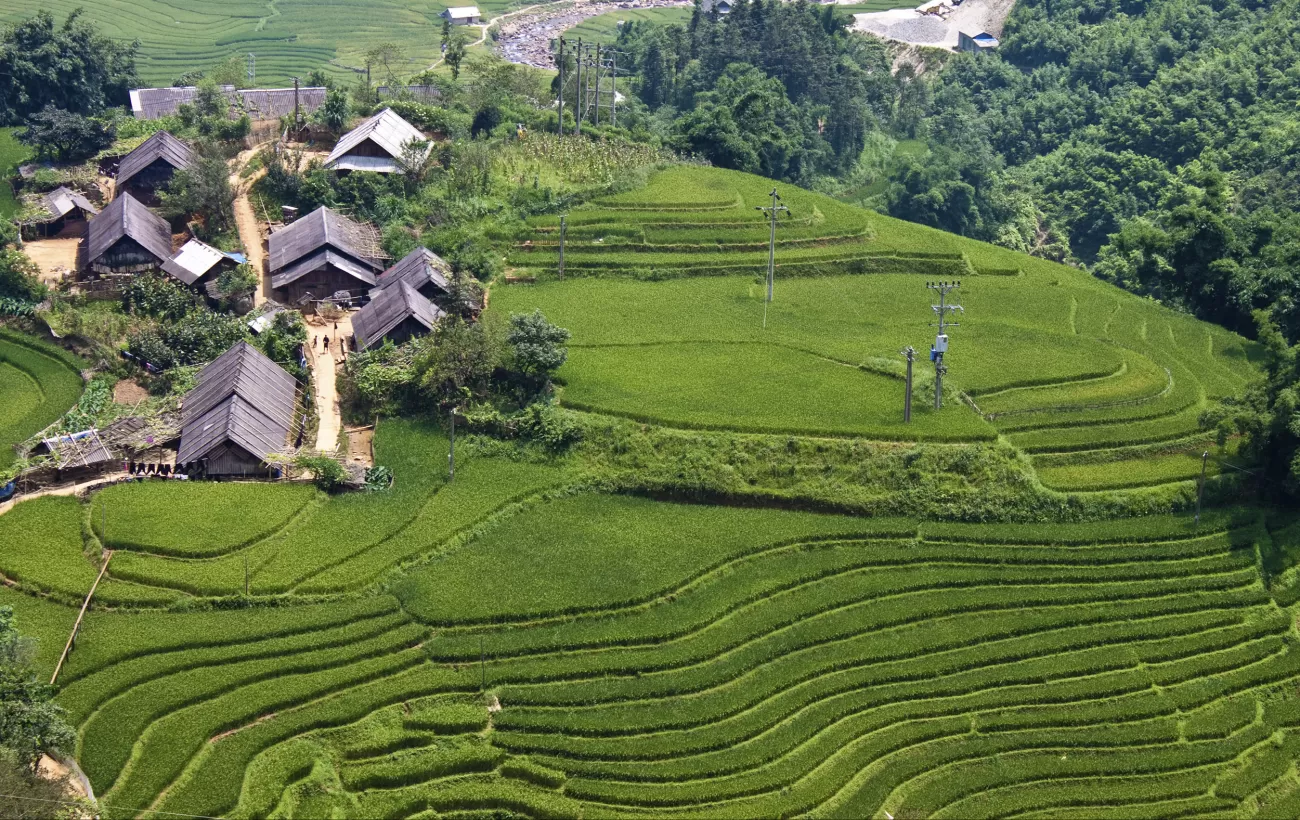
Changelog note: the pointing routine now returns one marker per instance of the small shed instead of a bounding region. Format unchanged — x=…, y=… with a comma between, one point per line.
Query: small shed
x=198, y=265
x=240, y=411
x=723, y=6
x=321, y=254
x=375, y=145
x=462, y=15
x=423, y=270
x=398, y=313
x=66, y=213
x=151, y=165
x=126, y=237
x=976, y=43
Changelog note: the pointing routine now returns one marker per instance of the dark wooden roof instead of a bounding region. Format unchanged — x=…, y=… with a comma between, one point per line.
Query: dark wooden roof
x=388, y=308
x=161, y=146
x=319, y=230
x=418, y=268
x=242, y=397
x=125, y=216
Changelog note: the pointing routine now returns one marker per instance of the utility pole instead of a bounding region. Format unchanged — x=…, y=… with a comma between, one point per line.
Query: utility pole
x=560, y=64
x=577, y=92
x=1200, y=488
x=910, y=353
x=600, y=73
x=613, y=87
x=451, y=454
x=297, y=114
x=252, y=67
x=773, y=210
x=563, y=229
x=941, y=341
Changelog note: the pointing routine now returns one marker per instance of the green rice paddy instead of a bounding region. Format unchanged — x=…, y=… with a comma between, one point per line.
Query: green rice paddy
x=39, y=384
x=545, y=636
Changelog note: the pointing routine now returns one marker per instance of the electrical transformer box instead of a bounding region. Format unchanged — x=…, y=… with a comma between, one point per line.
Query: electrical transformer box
x=941, y=343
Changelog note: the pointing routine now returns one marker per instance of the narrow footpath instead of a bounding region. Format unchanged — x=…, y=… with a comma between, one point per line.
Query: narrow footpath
x=249, y=226
x=325, y=364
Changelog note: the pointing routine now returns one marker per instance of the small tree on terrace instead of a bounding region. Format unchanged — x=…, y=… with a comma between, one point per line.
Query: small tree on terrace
x=537, y=347
x=415, y=160
x=64, y=136
x=335, y=112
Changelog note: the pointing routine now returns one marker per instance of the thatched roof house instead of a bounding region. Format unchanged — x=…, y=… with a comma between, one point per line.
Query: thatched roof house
x=240, y=412
x=127, y=237
x=322, y=254
x=375, y=145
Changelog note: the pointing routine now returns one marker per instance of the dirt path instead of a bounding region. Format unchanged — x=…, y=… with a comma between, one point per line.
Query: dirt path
x=908, y=26
x=325, y=365
x=251, y=235
x=483, y=27
x=54, y=257
x=68, y=489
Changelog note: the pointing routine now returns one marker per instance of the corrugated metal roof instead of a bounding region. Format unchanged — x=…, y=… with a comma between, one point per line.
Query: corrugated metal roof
x=386, y=129
x=419, y=268
x=376, y=165
x=324, y=228
x=62, y=200
x=241, y=397
x=259, y=103
x=192, y=261
x=125, y=216
x=161, y=146
x=388, y=308
x=461, y=12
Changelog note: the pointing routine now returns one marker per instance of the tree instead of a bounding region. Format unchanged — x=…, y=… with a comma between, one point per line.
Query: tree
x=336, y=112
x=30, y=723
x=455, y=54
x=231, y=71
x=72, y=67
x=537, y=347
x=319, y=79
x=387, y=56
x=238, y=281
x=415, y=159
x=283, y=339
x=203, y=190
x=19, y=277
x=455, y=358
x=65, y=136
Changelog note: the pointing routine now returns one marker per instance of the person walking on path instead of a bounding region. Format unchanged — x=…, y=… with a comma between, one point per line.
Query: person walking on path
x=327, y=344
x=315, y=342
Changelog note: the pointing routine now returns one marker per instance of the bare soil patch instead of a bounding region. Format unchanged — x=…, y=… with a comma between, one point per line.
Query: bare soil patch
x=55, y=257
x=128, y=392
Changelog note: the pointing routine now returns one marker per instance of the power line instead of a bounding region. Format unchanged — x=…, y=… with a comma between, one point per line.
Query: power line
x=773, y=210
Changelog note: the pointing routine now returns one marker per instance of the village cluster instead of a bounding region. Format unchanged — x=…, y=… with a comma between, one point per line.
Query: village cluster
x=245, y=409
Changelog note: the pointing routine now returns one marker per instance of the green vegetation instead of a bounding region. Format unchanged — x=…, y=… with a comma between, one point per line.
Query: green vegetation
x=12, y=154
x=39, y=383
x=605, y=28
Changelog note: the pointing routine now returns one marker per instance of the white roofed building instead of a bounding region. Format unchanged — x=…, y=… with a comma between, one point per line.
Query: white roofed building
x=463, y=15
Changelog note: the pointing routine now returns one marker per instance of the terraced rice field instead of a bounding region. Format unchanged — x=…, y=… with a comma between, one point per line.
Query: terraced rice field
x=288, y=37
x=613, y=656
x=1069, y=369
x=39, y=384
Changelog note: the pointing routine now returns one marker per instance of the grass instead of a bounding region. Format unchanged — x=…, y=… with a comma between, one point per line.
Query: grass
x=39, y=383
x=289, y=37
x=12, y=154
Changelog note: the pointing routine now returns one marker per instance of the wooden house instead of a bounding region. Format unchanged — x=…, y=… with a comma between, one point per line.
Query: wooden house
x=375, y=145
x=126, y=237
x=151, y=165
x=65, y=213
x=240, y=411
x=322, y=255
x=397, y=313
x=423, y=270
